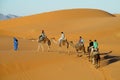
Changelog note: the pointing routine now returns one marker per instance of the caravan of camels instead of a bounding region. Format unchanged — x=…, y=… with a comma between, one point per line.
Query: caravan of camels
x=92, y=50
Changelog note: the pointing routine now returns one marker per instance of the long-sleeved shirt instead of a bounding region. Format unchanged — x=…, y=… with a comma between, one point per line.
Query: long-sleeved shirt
x=62, y=36
x=91, y=43
x=81, y=40
x=95, y=45
x=43, y=35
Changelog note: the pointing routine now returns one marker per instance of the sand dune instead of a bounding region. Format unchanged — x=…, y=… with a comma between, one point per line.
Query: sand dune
x=28, y=64
x=117, y=15
x=51, y=20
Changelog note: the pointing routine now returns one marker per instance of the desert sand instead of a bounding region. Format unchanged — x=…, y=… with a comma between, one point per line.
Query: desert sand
x=29, y=64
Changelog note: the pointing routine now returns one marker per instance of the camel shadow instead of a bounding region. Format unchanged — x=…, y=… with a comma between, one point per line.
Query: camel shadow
x=111, y=59
x=108, y=59
x=106, y=53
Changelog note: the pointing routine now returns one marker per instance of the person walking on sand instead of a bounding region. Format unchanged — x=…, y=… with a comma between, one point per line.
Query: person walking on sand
x=15, y=41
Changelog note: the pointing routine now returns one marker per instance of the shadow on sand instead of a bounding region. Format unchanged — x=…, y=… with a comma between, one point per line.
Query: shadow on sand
x=107, y=59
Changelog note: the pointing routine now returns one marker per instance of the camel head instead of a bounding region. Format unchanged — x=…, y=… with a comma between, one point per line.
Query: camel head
x=72, y=44
x=53, y=38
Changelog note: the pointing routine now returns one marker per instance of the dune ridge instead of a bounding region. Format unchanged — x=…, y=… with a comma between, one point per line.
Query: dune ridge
x=52, y=20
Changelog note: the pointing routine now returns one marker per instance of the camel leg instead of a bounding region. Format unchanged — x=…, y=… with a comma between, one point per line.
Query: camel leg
x=84, y=50
x=59, y=49
x=99, y=63
x=96, y=63
x=93, y=61
x=67, y=48
x=48, y=48
x=42, y=47
x=48, y=44
x=77, y=52
x=38, y=47
x=68, y=51
x=89, y=56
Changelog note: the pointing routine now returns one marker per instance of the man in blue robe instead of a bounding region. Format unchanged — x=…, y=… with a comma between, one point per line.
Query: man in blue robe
x=15, y=44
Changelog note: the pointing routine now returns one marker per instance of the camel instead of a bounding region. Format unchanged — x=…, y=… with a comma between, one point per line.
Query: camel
x=64, y=42
x=90, y=53
x=96, y=58
x=44, y=41
x=78, y=47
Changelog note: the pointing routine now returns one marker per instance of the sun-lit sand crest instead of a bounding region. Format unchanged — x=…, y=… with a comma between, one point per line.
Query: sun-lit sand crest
x=29, y=64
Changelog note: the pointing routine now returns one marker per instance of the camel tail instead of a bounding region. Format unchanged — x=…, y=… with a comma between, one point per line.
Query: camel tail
x=49, y=43
x=67, y=45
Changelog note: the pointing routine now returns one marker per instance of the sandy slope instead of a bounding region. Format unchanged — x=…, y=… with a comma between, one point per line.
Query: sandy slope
x=117, y=15
x=27, y=64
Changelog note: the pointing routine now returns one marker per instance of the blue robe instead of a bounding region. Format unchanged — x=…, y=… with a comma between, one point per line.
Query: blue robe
x=15, y=44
